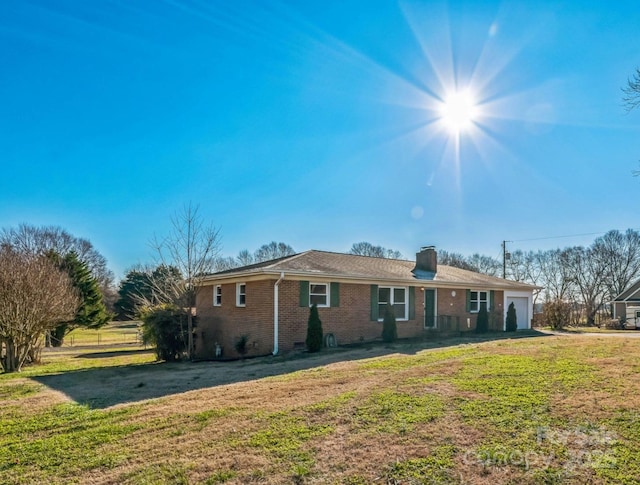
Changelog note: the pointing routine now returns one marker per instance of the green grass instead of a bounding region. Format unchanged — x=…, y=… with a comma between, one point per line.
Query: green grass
x=438, y=467
x=114, y=333
x=541, y=410
x=59, y=362
x=394, y=412
x=284, y=436
x=60, y=442
x=18, y=390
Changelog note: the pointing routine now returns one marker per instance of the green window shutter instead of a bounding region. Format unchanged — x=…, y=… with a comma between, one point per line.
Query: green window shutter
x=491, y=297
x=374, y=303
x=412, y=302
x=430, y=308
x=304, y=294
x=468, y=301
x=335, y=294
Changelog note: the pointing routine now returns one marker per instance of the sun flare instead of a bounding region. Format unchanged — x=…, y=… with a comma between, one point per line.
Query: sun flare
x=459, y=111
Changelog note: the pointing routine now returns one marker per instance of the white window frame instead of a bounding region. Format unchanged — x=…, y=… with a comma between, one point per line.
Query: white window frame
x=391, y=296
x=217, y=294
x=327, y=289
x=478, y=300
x=240, y=293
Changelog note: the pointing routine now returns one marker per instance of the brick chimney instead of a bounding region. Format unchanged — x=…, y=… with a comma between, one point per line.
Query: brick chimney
x=426, y=261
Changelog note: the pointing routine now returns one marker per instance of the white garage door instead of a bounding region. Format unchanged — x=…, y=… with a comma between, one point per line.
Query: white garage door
x=522, y=310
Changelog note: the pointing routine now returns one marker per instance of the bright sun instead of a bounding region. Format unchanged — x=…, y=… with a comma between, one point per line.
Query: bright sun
x=459, y=111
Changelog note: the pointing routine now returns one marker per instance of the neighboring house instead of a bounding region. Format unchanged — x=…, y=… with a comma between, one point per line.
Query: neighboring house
x=269, y=302
x=626, y=305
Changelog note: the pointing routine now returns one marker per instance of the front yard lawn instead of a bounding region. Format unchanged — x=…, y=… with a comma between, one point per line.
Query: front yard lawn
x=555, y=409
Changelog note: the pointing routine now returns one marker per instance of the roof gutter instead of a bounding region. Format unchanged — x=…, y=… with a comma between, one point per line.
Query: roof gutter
x=275, y=313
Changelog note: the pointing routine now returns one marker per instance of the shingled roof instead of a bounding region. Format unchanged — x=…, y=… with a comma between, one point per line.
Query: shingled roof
x=326, y=264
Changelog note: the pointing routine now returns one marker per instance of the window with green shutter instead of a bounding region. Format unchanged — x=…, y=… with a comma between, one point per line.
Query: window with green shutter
x=319, y=294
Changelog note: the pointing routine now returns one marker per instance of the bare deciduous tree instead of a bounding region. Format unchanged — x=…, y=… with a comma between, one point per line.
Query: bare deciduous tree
x=554, y=275
x=35, y=296
x=245, y=258
x=224, y=263
x=457, y=260
x=631, y=98
x=621, y=251
x=273, y=250
x=367, y=249
x=586, y=271
x=485, y=264
x=191, y=247
x=40, y=240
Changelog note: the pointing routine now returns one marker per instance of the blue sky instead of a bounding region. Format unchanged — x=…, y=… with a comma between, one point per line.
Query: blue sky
x=318, y=123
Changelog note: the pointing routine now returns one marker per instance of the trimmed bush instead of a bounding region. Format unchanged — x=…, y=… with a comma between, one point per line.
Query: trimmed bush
x=389, y=330
x=164, y=327
x=556, y=314
x=512, y=319
x=314, y=330
x=482, y=322
x=242, y=345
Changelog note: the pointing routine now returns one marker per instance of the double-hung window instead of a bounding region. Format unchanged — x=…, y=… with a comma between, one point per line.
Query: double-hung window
x=241, y=294
x=397, y=298
x=217, y=295
x=319, y=294
x=476, y=299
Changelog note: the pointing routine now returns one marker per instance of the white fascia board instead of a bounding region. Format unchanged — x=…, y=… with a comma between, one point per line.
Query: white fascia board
x=323, y=277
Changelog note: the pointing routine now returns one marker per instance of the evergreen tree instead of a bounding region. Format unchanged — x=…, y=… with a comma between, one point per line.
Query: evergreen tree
x=144, y=286
x=92, y=312
x=134, y=287
x=482, y=322
x=389, y=329
x=512, y=319
x=314, y=330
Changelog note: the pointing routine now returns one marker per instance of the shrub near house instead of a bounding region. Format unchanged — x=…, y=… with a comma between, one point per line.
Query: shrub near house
x=512, y=319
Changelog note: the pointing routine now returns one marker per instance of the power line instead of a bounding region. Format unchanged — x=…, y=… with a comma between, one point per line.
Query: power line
x=559, y=237
x=570, y=235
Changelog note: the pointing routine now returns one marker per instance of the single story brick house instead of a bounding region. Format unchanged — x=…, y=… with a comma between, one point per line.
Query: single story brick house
x=269, y=302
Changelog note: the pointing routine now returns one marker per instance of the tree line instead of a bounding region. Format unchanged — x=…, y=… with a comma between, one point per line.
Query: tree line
x=50, y=283
x=586, y=278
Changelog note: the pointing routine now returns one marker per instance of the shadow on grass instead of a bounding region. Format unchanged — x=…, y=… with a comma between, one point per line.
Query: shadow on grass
x=110, y=354
x=108, y=386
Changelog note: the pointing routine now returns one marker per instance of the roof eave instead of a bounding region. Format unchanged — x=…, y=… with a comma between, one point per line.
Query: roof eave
x=301, y=275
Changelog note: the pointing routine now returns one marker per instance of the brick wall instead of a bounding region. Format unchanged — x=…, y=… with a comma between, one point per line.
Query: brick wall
x=456, y=306
x=226, y=323
x=350, y=322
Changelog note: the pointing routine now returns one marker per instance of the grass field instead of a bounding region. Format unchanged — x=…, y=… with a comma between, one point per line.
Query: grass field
x=555, y=409
x=114, y=333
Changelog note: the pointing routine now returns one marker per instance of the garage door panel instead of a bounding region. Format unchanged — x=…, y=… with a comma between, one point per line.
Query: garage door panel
x=521, y=305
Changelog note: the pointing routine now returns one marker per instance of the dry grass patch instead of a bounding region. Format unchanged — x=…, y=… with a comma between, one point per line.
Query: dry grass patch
x=542, y=410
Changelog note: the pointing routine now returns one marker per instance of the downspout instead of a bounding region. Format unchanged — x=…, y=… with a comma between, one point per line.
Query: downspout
x=275, y=314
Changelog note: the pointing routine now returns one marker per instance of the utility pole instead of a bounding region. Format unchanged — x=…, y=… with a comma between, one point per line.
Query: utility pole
x=505, y=256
